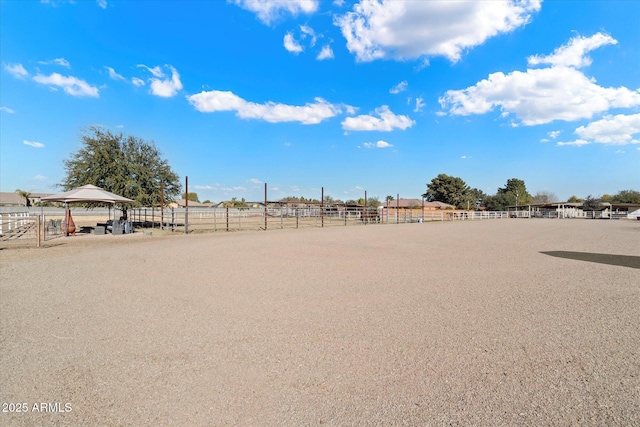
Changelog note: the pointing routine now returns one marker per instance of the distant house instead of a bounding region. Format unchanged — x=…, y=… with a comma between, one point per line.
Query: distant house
x=11, y=199
x=413, y=204
x=14, y=199
x=252, y=205
x=181, y=203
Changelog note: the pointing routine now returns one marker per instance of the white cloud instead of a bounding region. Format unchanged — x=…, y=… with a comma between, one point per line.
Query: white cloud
x=543, y=95
x=71, y=85
x=615, y=130
x=203, y=187
x=156, y=71
x=33, y=144
x=325, y=53
x=160, y=84
x=306, y=40
x=16, y=70
x=308, y=31
x=58, y=61
x=310, y=113
x=113, y=74
x=400, y=87
x=7, y=110
x=573, y=54
x=378, y=29
x=577, y=143
x=269, y=11
x=379, y=144
x=102, y=3
x=554, y=134
x=350, y=109
x=62, y=62
x=387, y=121
x=291, y=44
x=255, y=181
x=419, y=105
x=137, y=82
x=40, y=178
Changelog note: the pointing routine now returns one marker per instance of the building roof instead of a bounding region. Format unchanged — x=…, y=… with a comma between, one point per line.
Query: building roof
x=15, y=199
x=411, y=203
x=11, y=199
x=182, y=203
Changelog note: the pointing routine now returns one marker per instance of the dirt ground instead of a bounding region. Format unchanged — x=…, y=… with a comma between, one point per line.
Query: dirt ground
x=497, y=322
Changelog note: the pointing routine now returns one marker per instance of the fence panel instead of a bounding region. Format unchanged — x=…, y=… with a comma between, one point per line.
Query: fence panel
x=200, y=219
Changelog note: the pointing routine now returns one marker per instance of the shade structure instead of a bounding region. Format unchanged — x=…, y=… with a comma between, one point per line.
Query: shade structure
x=86, y=194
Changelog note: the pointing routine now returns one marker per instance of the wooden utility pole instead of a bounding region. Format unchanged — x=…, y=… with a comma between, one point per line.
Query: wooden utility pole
x=322, y=208
x=161, y=207
x=186, y=205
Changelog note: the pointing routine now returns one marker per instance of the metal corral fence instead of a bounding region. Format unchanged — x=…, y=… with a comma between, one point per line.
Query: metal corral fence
x=232, y=219
x=21, y=225
x=198, y=219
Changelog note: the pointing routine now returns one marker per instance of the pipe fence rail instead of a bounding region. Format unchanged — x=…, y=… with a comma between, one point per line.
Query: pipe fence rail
x=21, y=225
x=196, y=220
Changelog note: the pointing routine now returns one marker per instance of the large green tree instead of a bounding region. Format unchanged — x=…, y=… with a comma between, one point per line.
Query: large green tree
x=512, y=194
x=574, y=199
x=193, y=197
x=122, y=164
x=371, y=202
x=451, y=190
x=497, y=202
x=626, y=196
x=592, y=203
x=516, y=192
x=477, y=198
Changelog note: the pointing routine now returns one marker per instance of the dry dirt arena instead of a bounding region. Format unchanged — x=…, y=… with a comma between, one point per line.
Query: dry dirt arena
x=513, y=322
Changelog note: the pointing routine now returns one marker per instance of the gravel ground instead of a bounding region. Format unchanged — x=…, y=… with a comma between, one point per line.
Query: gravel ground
x=497, y=322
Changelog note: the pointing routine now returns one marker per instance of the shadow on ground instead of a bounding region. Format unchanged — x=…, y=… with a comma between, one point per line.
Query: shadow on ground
x=622, y=260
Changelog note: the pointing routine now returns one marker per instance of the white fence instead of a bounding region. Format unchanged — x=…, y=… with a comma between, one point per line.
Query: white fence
x=12, y=221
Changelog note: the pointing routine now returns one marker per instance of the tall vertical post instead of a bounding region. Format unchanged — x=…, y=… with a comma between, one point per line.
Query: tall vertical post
x=38, y=231
x=322, y=208
x=161, y=206
x=366, y=208
x=422, y=208
x=265, y=206
x=398, y=209
x=186, y=205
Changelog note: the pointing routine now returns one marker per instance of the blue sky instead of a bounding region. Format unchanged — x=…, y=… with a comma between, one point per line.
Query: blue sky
x=349, y=96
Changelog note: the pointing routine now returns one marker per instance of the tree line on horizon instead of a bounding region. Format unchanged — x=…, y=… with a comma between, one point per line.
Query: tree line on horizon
x=454, y=191
x=134, y=168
